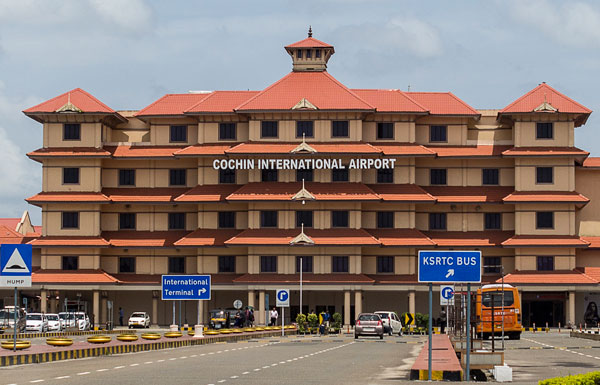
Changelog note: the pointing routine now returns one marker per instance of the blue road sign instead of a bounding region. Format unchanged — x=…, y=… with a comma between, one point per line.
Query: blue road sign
x=450, y=266
x=283, y=298
x=185, y=287
x=15, y=265
x=448, y=292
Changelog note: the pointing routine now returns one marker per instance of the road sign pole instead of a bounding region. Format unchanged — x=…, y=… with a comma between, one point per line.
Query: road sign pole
x=15, y=324
x=282, y=319
x=469, y=331
x=173, y=313
x=429, y=368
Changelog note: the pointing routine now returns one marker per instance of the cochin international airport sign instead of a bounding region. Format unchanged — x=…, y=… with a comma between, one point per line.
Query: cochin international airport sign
x=300, y=164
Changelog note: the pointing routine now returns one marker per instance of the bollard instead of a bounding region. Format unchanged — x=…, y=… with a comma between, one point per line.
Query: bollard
x=585, y=326
x=547, y=327
x=559, y=327
x=198, y=329
x=579, y=326
x=534, y=327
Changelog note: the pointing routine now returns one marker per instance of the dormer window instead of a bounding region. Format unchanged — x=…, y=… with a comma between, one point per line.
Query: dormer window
x=309, y=54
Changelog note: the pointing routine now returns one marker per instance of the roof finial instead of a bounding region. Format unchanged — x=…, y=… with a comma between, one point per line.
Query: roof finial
x=309, y=31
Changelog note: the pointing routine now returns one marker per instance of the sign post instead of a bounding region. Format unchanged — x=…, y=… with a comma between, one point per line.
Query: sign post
x=15, y=271
x=283, y=301
x=445, y=267
x=186, y=288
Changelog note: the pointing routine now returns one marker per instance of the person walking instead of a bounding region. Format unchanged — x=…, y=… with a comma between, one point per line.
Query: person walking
x=442, y=320
x=121, y=314
x=274, y=315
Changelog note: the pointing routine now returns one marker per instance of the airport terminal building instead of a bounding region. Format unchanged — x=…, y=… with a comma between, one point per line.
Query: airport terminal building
x=345, y=184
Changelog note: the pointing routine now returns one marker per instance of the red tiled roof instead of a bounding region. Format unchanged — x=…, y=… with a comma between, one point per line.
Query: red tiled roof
x=593, y=272
x=9, y=236
x=545, y=240
x=69, y=241
x=545, y=197
x=319, y=88
x=480, y=151
x=204, y=149
x=69, y=277
x=221, y=102
x=145, y=195
x=309, y=42
x=591, y=162
x=207, y=237
x=281, y=237
x=401, y=193
x=544, y=93
x=261, y=148
x=468, y=238
x=78, y=97
x=593, y=241
x=143, y=238
x=68, y=196
x=442, y=103
x=545, y=277
x=75, y=152
x=307, y=278
x=403, y=149
x=284, y=191
x=143, y=152
x=382, y=279
x=154, y=279
x=207, y=193
x=468, y=194
x=390, y=101
x=172, y=104
x=400, y=237
x=545, y=151
x=11, y=223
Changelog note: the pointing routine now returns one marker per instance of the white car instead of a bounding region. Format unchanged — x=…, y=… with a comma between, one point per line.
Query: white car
x=68, y=319
x=54, y=322
x=36, y=322
x=391, y=322
x=83, y=321
x=139, y=319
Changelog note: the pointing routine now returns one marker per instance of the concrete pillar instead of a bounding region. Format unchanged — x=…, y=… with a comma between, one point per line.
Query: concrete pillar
x=261, y=308
x=53, y=304
x=347, y=305
x=154, y=315
x=103, y=310
x=357, y=302
x=44, y=301
x=204, y=318
x=96, y=307
x=200, y=306
x=411, y=301
x=251, y=296
x=571, y=302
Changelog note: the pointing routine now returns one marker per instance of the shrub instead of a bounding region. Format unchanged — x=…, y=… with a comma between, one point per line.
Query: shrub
x=313, y=320
x=337, y=320
x=301, y=321
x=422, y=320
x=592, y=378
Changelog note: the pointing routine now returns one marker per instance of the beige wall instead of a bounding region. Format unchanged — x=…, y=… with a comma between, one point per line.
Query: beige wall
x=563, y=174
x=90, y=135
x=587, y=219
x=525, y=131
x=525, y=219
x=89, y=175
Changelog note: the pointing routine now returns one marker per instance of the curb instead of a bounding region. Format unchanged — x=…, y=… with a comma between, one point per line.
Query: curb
x=436, y=375
x=63, y=334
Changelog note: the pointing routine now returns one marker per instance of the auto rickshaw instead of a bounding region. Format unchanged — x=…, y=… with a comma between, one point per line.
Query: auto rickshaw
x=219, y=319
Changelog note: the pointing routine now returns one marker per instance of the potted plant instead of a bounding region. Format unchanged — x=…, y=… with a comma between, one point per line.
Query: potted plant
x=336, y=325
x=313, y=322
x=302, y=324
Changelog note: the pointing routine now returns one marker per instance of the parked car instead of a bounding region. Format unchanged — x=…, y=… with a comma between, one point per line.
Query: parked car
x=139, y=319
x=83, y=321
x=7, y=319
x=68, y=319
x=36, y=322
x=54, y=322
x=368, y=324
x=391, y=322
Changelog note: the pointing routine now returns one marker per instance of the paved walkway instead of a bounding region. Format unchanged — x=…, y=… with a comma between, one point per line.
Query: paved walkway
x=445, y=364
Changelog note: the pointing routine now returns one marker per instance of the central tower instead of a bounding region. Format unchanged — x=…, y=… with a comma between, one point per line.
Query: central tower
x=310, y=55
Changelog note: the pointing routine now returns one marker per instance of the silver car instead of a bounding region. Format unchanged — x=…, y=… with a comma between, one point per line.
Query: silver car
x=368, y=324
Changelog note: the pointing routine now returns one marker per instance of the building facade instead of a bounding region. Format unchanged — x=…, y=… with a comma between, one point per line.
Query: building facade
x=345, y=184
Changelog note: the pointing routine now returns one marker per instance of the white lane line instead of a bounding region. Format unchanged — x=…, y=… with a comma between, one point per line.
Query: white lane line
x=83, y=373
x=172, y=359
x=266, y=367
x=194, y=355
x=273, y=364
x=221, y=381
x=147, y=362
x=160, y=360
x=182, y=357
x=282, y=362
x=203, y=354
x=101, y=370
x=56, y=378
x=257, y=370
x=245, y=372
x=233, y=377
x=134, y=365
x=118, y=367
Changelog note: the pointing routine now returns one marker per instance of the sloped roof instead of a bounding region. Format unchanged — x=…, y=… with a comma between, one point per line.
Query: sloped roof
x=283, y=237
x=479, y=151
x=309, y=42
x=172, y=104
x=468, y=194
x=207, y=237
x=68, y=196
x=64, y=152
x=544, y=93
x=221, y=102
x=286, y=190
x=206, y=149
x=401, y=193
x=544, y=277
x=545, y=240
x=390, y=101
x=9, y=235
x=143, y=238
x=72, y=277
x=142, y=152
x=78, y=97
x=403, y=149
x=145, y=195
x=69, y=241
x=542, y=152
x=254, y=148
x=591, y=162
x=545, y=197
x=468, y=238
x=207, y=193
x=443, y=103
x=401, y=237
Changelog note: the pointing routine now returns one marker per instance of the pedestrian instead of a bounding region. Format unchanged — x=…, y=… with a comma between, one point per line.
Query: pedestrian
x=247, y=314
x=327, y=318
x=242, y=319
x=274, y=315
x=251, y=318
x=443, y=320
x=121, y=314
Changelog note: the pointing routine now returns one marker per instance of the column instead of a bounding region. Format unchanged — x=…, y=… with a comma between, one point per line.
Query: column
x=52, y=303
x=44, y=301
x=347, y=305
x=411, y=301
x=96, y=307
x=571, y=303
x=201, y=312
x=103, y=310
x=251, y=297
x=357, y=302
x=261, y=308
x=154, y=315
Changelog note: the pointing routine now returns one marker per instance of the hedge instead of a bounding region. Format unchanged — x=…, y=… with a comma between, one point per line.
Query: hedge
x=592, y=378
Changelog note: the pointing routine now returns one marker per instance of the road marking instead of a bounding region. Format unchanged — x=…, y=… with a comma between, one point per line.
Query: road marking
x=118, y=367
x=257, y=370
x=266, y=367
x=160, y=360
x=56, y=378
x=194, y=355
x=233, y=377
x=101, y=370
x=83, y=373
x=221, y=381
x=147, y=362
x=134, y=365
x=172, y=359
x=245, y=372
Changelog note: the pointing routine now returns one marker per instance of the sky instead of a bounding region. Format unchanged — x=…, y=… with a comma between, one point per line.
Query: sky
x=130, y=53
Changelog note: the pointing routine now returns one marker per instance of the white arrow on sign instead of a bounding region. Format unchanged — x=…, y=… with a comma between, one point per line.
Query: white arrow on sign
x=201, y=291
x=450, y=273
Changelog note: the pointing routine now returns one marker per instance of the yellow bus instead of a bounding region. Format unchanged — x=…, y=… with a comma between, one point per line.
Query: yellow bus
x=512, y=311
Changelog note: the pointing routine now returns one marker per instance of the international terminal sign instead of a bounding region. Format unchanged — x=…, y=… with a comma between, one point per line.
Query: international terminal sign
x=302, y=164
x=185, y=287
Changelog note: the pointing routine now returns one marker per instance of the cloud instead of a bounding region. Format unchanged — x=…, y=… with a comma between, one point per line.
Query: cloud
x=571, y=24
x=132, y=15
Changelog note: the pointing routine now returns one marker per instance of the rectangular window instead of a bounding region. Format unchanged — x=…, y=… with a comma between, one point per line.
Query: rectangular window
x=339, y=264
x=385, y=130
x=268, y=175
x=304, y=174
x=492, y=265
x=268, y=129
x=268, y=218
x=70, y=263
x=227, y=219
x=70, y=220
x=385, y=175
x=545, y=263
x=307, y=264
x=340, y=175
x=493, y=221
x=299, y=54
x=126, y=177
x=437, y=221
x=126, y=264
x=227, y=131
x=227, y=176
x=268, y=264
x=339, y=129
x=318, y=53
x=385, y=264
x=385, y=219
x=176, y=221
x=71, y=131
x=177, y=177
x=227, y=264
x=70, y=175
x=438, y=133
x=304, y=217
x=305, y=128
x=127, y=221
x=437, y=176
x=544, y=219
x=544, y=131
x=339, y=218
x=490, y=176
x=544, y=175
x=176, y=265
x=308, y=54
x=178, y=134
